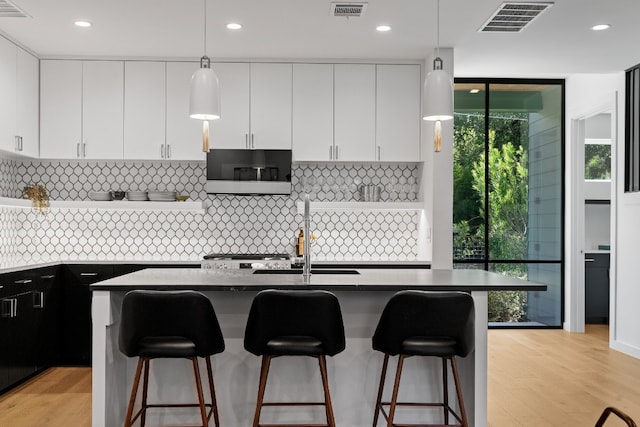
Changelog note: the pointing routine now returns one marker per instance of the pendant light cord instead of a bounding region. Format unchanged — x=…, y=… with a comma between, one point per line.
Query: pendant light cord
x=205, y=26
x=437, y=28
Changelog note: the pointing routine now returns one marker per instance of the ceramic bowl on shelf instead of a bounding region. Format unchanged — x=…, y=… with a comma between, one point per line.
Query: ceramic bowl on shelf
x=100, y=196
x=118, y=195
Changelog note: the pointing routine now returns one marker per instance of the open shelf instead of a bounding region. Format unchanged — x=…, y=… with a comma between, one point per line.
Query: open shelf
x=112, y=205
x=360, y=206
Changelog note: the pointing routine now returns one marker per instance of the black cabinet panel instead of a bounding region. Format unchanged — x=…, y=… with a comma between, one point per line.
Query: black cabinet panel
x=596, y=288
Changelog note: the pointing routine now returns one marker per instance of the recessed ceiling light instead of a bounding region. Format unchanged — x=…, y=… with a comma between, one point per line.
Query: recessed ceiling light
x=234, y=26
x=383, y=28
x=474, y=91
x=601, y=27
x=83, y=24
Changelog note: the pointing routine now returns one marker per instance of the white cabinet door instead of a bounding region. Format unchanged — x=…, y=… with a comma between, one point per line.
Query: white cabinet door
x=398, y=113
x=232, y=129
x=355, y=112
x=60, y=109
x=271, y=106
x=102, y=109
x=28, y=103
x=7, y=95
x=184, y=134
x=144, y=110
x=312, y=112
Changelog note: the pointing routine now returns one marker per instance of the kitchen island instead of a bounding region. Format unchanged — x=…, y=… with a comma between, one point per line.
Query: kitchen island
x=353, y=374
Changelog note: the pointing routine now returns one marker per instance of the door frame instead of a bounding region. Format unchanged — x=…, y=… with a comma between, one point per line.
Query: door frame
x=575, y=321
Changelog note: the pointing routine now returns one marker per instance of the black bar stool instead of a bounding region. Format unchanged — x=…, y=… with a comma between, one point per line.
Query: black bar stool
x=294, y=323
x=170, y=324
x=418, y=323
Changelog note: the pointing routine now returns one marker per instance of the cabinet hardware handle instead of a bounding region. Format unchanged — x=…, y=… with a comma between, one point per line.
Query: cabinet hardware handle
x=88, y=274
x=589, y=260
x=378, y=152
x=38, y=299
x=330, y=152
x=168, y=151
x=246, y=140
x=78, y=150
x=16, y=140
x=21, y=146
x=84, y=150
x=48, y=276
x=9, y=308
x=253, y=145
x=23, y=281
x=337, y=153
x=162, y=151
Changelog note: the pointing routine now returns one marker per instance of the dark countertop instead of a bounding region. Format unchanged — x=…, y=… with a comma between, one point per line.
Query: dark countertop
x=367, y=280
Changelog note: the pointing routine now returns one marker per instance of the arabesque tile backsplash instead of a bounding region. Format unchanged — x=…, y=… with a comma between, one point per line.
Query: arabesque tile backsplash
x=230, y=224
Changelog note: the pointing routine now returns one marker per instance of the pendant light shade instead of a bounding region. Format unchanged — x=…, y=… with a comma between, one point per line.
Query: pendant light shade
x=438, y=94
x=204, y=102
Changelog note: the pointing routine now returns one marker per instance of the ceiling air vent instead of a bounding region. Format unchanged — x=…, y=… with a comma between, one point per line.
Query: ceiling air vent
x=10, y=10
x=514, y=17
x=348, y=10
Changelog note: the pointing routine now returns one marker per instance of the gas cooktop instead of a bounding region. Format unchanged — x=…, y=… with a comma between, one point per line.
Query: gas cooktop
x=247, y=257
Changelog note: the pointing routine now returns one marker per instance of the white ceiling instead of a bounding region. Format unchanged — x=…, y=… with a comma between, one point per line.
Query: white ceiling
x=558, y=43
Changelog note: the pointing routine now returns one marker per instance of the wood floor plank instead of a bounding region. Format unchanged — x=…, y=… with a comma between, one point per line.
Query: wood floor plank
x=537, y=378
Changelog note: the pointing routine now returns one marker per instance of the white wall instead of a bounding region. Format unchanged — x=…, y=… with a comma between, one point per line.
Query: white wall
x=586, y=93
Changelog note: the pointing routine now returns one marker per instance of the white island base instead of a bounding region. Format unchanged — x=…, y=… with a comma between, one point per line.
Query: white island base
x=354, y=374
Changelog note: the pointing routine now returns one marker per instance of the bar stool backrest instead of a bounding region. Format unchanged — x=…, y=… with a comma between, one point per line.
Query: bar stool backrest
x=279, y=313
x=426, y=314
x=155, y=314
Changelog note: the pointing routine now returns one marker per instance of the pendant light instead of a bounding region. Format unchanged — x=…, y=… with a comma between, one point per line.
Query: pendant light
x=204, y=102
x=438, y=92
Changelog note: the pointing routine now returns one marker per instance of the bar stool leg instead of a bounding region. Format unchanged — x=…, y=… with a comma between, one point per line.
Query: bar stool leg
x=212, y=391
x=396, y=388
x=134, y=392
x=383, y=375
x=203, y=408
x=327, y=397
x=463, y=412
x=445, y=390
x=264, y=371
x=145, y=387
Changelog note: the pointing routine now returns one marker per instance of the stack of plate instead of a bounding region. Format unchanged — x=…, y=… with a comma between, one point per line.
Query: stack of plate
x=162, y=196
x=102, y=196
x=137, y=196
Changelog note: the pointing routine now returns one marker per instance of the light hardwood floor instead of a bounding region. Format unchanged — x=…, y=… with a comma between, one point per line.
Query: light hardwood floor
x=537, y=378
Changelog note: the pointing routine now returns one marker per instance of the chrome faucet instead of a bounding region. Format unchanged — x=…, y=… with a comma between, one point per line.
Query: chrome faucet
x=306, y=268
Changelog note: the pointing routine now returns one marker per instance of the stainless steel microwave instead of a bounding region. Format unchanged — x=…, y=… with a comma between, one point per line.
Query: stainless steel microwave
x=238, y=171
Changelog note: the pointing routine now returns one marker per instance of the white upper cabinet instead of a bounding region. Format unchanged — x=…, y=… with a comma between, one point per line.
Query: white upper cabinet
x=398, y=113
x=255, y=106
x=271, y=106
x=313, y=112
x=355, y=112
x=144, y=110
x=232, y=129
x=60, y=109
x=184, y=134
x=19, y=95
x=81, y=109
x=102, y=109
x=7, y=95
x=28, y=103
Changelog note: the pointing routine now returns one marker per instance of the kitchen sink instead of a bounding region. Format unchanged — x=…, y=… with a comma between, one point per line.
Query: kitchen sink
x=299, y=271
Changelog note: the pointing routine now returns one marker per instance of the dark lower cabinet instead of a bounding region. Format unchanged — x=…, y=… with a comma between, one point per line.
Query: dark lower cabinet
x=76, y=326
x=28, y=324
x=596, y=272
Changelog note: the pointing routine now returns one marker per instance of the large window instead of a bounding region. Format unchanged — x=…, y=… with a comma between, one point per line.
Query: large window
x=508, y=192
